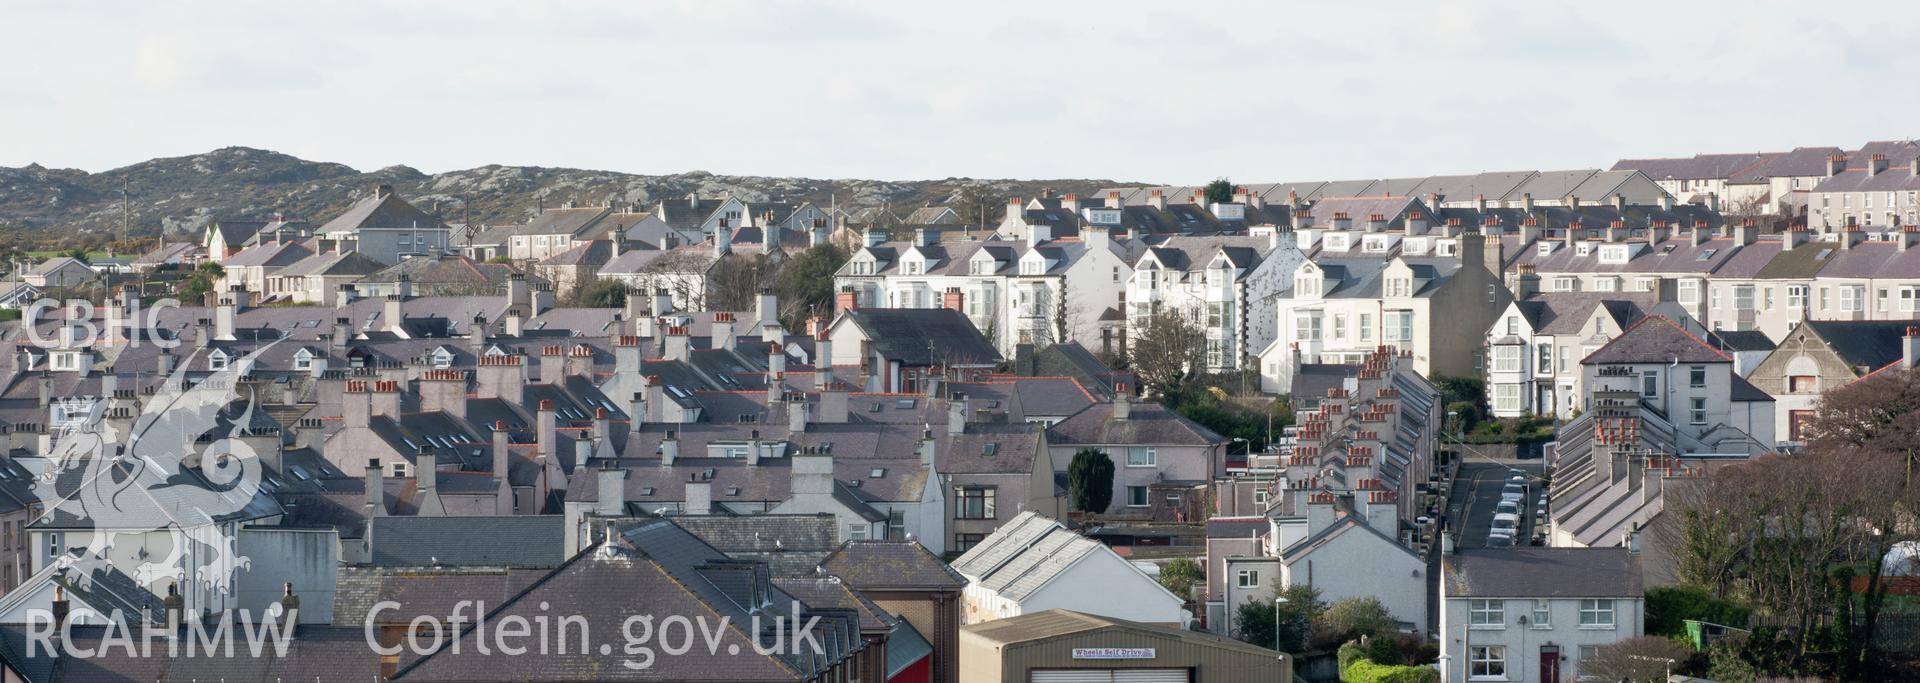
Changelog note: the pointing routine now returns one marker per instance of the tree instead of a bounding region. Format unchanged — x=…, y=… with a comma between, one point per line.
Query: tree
x=77, y=254
x=683, y=274
x=736, y=279
x=1167, y=351
x=1640, y=658
x=600, y=293
x=1669, y=608
x=1256, y=620
x=805, y=284
x=1872, y=413
x=1220, y=191
x=1090, y=481
x=1180, y=575
x=195, y=288
x=976, y=204
x=1358, y=617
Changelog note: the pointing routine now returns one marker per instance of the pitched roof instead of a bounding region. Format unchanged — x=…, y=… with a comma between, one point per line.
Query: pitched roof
x=382, y=211
x=925, y=336
x=1656, y=339
x=1060, y=623
x=1543, y=573
x=504, y=541
x=891, y=565
x=1870, y=344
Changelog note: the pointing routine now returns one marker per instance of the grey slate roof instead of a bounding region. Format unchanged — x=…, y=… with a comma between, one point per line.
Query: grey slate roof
x=891, y=565
x=510, y=541
x=1656, y=339
x=1543, y=573
x=925, y=336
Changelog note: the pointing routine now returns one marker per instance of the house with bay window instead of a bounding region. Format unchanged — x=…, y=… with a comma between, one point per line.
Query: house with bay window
x=1358, y=294
x=1535, y=614
x=1680, y=393
x=1229, y=285
x=1014, y=292
x=1534, y=348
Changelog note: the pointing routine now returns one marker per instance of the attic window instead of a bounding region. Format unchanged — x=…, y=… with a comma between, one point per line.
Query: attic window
x=905, y=403
x=733, y=490
x=1706, y=254
x=990, y=448
x=875, y=408
x=648, y=491
x=747, y=419
x=877, y=473
x=1822, y=256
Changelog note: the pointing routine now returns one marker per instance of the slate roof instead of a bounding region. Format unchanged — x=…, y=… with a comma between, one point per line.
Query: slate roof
x=382, y=212
x=925, y=336
x=905, y=646
x=1656, y=339
x=1743, y=340
x=448, y=269
x=1871, y=344
x=509, y=541
x=1801, y=162
x=790, y=545
x=270, y=254
x=1146, y=424
x=1543, y=573
x=422, y=590
x=1237, y=527
x=891, y=565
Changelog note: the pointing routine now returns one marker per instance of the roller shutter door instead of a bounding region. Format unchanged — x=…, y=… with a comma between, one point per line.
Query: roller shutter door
x=1111, y=676
x=1150, y=676
x=1074, y=676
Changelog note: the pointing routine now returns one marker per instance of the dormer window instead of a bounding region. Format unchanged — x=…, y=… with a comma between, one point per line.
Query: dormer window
x=913, y=267
x=1545, y=249
x=1565, y=284
x=981, y=267
x=303, y=360
x=442, y=358
x=863, y=266
x=1374, y=244
x=1444, y=247
x=1339, y=241
x=1614, y=253
x=217, y=360
x=1582, y=249
x=1032, y=267
x=1399, y=287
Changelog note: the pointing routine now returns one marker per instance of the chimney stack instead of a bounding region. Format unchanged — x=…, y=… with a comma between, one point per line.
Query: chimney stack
x=1910, y=347
x=612, y=498
x=376, y=482
x=1876, y=164
x=1836, y=164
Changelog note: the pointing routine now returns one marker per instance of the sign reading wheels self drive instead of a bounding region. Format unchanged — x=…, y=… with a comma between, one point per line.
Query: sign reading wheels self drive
x=1113, y=653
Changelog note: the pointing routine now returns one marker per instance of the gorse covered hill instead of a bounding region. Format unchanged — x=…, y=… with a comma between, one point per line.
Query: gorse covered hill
x=182, y=194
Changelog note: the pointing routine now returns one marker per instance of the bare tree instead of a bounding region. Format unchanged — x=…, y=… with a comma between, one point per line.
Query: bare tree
x=683, y=273
x=1640, y=658
x=1168, y=350
x=737, y=278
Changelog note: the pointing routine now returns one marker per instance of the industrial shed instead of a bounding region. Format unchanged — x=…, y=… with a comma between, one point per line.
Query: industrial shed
x=1061, y=646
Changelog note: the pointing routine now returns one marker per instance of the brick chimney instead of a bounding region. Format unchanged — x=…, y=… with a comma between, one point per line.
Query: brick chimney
x=501, y=377
x=1910, y=347
x=1876, y=164
x=1157, y=200
x=846, y=300
x=1836, y=164
x=954, y=300
x=1071, y=202
x=1416, y=223
x=721, y=332
x=678, y=343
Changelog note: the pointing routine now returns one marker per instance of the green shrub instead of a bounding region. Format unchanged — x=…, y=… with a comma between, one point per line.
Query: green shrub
x=1669, y=608
x=1365, y=671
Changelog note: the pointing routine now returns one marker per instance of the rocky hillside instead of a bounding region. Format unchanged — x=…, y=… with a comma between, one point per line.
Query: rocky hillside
x=182, y=194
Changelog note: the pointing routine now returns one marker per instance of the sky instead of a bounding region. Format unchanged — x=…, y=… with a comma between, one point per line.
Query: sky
x=1171, y=92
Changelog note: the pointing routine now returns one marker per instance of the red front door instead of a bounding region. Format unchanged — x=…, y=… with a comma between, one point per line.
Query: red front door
x=1549, y=664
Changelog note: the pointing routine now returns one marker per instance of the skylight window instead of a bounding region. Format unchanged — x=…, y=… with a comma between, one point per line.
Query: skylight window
x=905, y=403
x=1822, y=256
x=991, y=448
x=877, y=472
x=1705, y=255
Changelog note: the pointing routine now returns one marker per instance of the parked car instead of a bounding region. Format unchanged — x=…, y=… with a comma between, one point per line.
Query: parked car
x=1505, y=520
x=1499, y=541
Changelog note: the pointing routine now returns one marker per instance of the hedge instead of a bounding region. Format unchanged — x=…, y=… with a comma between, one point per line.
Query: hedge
x=1365, y=671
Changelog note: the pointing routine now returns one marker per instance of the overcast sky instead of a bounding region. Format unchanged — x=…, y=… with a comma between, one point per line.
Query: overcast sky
x=1164, y=91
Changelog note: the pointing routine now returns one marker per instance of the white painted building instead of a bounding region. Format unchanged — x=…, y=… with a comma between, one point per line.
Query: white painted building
x=1033, y=563
x=1535, y=614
